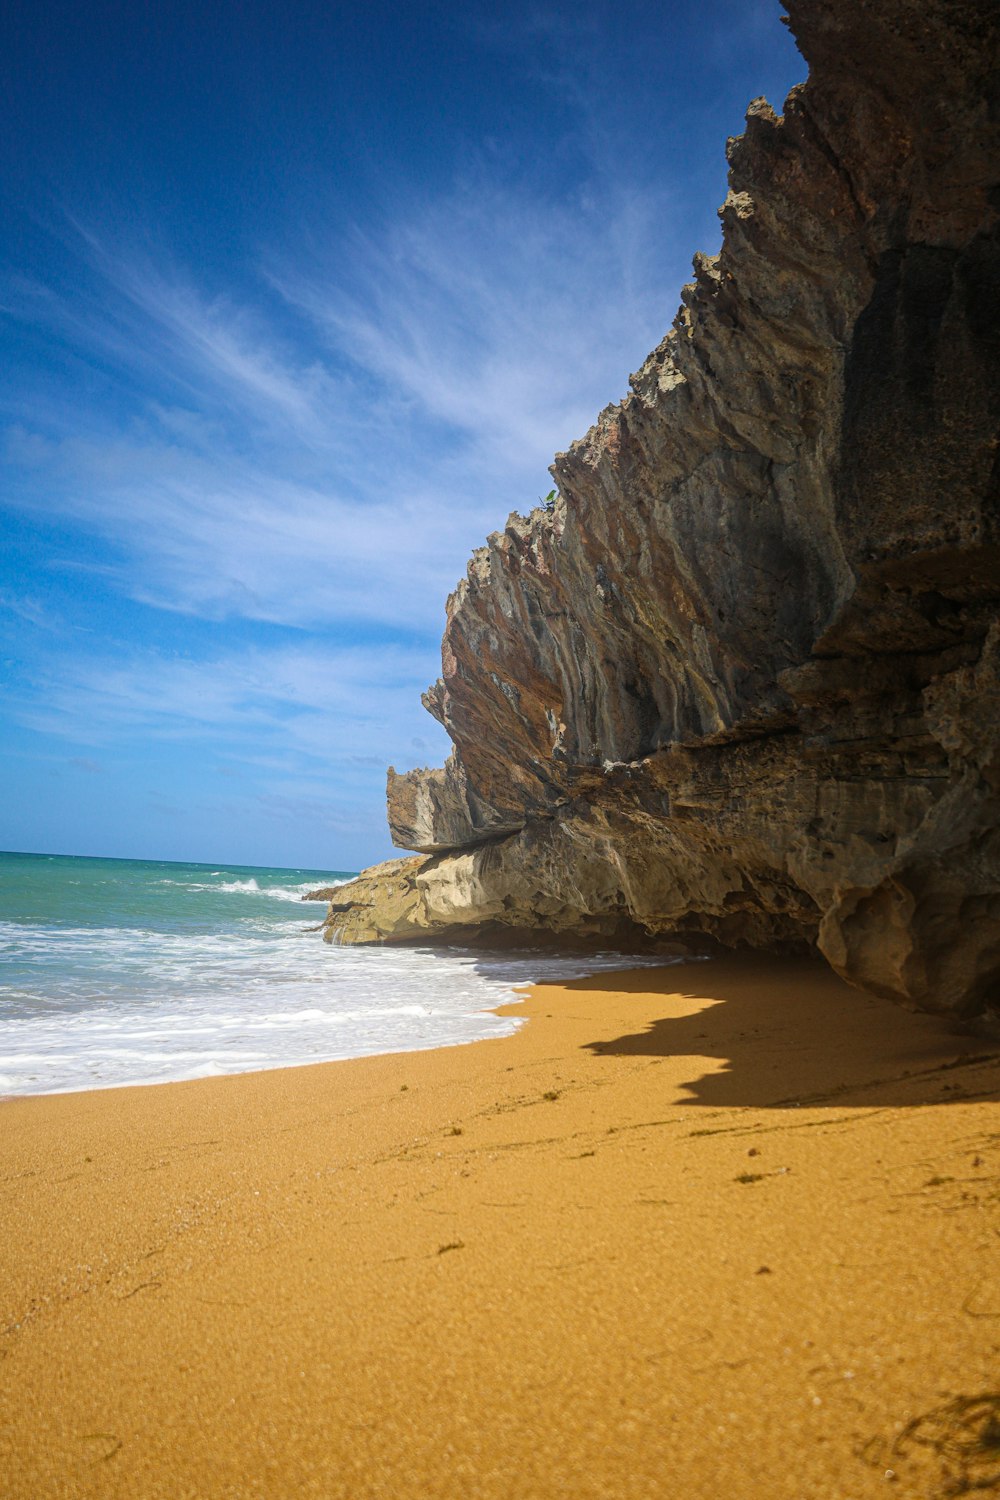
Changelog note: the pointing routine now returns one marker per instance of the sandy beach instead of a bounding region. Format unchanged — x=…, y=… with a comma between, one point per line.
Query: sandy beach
x=718, y=1229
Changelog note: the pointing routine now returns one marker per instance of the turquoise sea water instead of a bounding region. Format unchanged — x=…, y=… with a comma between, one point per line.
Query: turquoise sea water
x=132, y=971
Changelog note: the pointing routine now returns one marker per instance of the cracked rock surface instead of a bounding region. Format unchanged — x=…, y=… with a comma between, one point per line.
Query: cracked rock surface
x=743, y=681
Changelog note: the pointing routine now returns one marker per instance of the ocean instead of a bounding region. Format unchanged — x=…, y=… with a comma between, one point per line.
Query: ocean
x=121, y=971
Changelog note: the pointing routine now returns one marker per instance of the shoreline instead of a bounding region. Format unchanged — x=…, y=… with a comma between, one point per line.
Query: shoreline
x=519, y=989
x=724, y=1227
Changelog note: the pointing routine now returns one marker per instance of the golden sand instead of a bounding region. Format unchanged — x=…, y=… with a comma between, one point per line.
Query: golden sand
x=725, y=1229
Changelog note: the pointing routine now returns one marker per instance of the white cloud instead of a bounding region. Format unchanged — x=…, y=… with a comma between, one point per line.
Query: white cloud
x=219, y=535
x=508, y=316
x=145, y=313
x=281, y=710
x=344, y=472
x=28, y=608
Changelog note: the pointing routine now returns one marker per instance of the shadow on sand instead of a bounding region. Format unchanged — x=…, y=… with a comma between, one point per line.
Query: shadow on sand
x=792, y=1033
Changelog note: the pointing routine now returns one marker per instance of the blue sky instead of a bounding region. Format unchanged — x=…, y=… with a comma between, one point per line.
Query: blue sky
x=297, y=303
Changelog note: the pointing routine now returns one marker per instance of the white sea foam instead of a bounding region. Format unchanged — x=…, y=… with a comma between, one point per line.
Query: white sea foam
x=213, y=1008
x=215, y=977
x=297, y=892
x=252, y=888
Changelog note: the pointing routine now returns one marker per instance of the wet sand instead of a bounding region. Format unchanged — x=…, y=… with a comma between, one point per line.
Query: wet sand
x=725, y=1229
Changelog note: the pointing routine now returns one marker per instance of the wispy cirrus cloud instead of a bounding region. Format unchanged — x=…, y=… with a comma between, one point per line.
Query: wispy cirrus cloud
x=221, y=535
x=284, y=709
x=508, y=316
x=332, y=444
x=26, y=607
x=141, y=314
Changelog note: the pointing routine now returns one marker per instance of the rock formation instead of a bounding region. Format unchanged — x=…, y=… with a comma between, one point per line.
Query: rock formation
x=744, y=679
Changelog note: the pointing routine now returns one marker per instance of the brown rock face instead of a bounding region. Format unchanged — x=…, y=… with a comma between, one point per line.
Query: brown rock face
x=744, y=680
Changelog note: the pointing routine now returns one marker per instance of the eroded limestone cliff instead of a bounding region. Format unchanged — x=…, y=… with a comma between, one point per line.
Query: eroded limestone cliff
x=744, y=679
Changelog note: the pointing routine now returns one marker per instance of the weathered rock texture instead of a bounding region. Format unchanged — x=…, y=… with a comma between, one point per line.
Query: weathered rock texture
x=744, y=680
